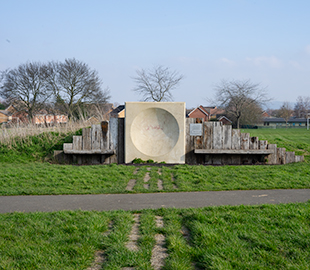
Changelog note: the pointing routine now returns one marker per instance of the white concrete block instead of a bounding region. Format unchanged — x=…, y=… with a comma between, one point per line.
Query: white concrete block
x=155, y=130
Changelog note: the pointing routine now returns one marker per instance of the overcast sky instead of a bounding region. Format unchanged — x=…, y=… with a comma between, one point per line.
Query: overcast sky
x=266, y=41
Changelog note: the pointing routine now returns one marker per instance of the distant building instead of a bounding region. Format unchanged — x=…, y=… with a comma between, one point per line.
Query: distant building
x=280, y=122
x=118, y=112
x=12, y=115
x=208, y=114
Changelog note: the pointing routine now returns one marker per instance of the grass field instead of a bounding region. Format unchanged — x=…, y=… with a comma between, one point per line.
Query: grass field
x=297, y=140
x=29, y=177
x=240, y=237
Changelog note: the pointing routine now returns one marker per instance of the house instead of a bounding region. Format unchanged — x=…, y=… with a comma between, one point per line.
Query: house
x=224, y=120
x=118, y=112
x=4, y=116
x=12, y=115
x=265, y=114
x=208, y=114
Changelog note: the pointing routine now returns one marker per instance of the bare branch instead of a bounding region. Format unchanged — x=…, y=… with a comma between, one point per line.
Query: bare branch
x=240, y=97
x=156, y=84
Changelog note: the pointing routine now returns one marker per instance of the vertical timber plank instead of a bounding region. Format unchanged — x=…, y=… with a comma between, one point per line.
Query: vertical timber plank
x=244, y=142
x=263, y=145
x=121, y=141
x=227, y=134
x=67, y=146
x=299, y=158
x=113, y=136
x=77, y=143
x=217, y=135
x=235, y=139
x=272, y=158
x=281, y=156
x=86, y=138
x=105, y=135
x=207, y=135
x=254, y=143
x=290, y=157
x=189, y=143
x=95, y=137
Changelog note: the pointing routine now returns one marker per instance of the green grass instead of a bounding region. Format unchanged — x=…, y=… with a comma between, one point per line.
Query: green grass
x=45, y=178
x=61, y=240
x=34, y=148
x=227, y=237
x=297, y=140
x=33, y=178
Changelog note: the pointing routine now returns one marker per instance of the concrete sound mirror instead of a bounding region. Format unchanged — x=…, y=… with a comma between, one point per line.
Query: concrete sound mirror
x=155, y=130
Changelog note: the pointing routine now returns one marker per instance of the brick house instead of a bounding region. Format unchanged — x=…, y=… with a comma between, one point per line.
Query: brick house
x=12, y=115
x=207, y=113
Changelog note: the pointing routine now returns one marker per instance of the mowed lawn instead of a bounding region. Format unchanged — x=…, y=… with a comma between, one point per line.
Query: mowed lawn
x=30, y=178
x=239, y=237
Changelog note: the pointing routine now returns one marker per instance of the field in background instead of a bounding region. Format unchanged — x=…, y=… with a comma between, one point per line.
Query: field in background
x=297, y=140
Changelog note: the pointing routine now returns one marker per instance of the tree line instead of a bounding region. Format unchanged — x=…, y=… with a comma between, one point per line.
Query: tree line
x=58, y=87
x=69, y=86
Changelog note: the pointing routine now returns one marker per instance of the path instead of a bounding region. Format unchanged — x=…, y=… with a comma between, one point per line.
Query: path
x=104, y=202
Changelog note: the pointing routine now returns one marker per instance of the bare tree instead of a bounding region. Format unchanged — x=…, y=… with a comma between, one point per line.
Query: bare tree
x=302, y=107
x=285, y=112
x=75, y=84
x=238, y=97
x=251, y=114
x=27, y=86
x=156, y=84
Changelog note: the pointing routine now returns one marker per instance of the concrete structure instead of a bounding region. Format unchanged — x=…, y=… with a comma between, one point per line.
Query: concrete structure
x=158, y=131
x=155, y=131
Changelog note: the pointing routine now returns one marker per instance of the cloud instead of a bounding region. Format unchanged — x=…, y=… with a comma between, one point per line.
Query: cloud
x=188, y=60
x=271, y=61
x=227, y=61
x=295, y=65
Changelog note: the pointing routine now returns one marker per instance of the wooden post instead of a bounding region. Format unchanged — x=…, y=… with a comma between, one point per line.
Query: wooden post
x=272, y=158
x=105, y=135
x=189, y=143
x=207, y=135
x=77, y=145
x=113, y=139
x=290, y=157
x=121, y=141
x=244, y=142
x=281, y=156
x=86, y=139
x=96, y=135
x=253, y=143
x=217, y=135
x=227, y=134
x=263, y=145
x=235, y=139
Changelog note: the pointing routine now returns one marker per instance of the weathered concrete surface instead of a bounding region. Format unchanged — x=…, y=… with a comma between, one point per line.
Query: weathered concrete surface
x=155, y=130
x=104, y=202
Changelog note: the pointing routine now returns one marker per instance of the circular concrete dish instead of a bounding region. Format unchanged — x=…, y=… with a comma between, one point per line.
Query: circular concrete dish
x=154, y=132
